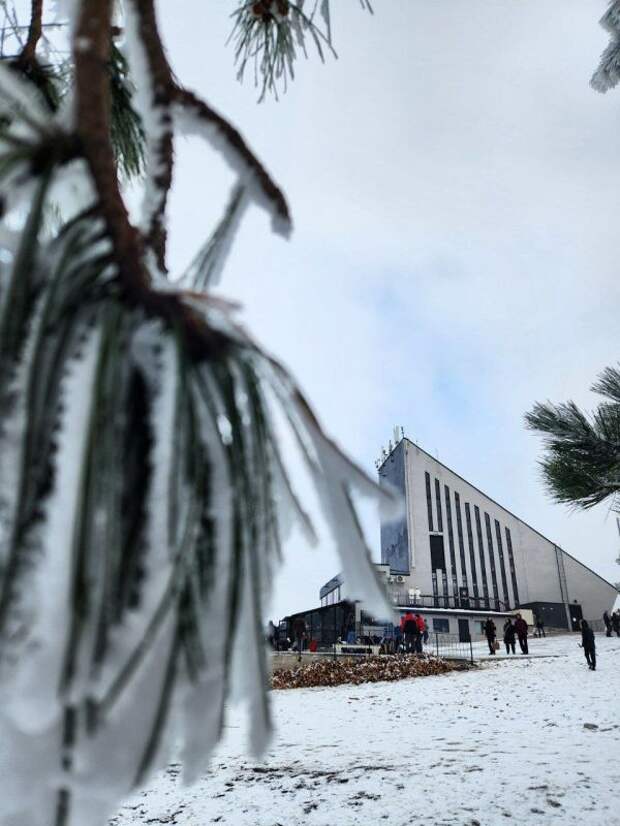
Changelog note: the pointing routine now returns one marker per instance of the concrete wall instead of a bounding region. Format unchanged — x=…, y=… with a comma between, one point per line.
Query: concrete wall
x=593, y=593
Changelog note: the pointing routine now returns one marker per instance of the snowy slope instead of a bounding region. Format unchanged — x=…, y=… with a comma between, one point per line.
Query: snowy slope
x=527, y=741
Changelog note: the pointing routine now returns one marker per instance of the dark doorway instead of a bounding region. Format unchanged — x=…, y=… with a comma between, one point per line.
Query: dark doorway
x=576, y=615
x=464, y=630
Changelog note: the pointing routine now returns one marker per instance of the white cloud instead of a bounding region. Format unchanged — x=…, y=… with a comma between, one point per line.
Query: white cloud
x=454, y=186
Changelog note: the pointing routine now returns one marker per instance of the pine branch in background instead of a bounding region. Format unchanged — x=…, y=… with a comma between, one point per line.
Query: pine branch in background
x=127, y=132
x=582, y=462
x=269, y=35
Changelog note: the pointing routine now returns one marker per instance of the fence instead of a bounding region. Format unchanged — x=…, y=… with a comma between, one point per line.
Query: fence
x=450, y=646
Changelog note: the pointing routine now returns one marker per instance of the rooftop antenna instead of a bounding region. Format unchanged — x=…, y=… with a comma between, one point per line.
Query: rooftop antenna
x=396, y=434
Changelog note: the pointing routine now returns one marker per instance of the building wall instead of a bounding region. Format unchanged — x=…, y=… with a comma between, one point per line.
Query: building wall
x=486, y=549
x=395, y=544
x=593, y=593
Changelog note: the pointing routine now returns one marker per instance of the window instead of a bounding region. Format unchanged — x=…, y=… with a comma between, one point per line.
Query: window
x=511, y=563
x=487, y=521
x=502, y=566
x=455, y=589
x=459, y=526
x=470, y=542
x=441, y=626
x=429, y=504
x=479, y=627
x=438, y=556
x=438, y=506
x=483, y=567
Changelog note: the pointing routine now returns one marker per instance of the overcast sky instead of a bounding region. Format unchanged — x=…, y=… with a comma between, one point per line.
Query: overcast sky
x=454, y=183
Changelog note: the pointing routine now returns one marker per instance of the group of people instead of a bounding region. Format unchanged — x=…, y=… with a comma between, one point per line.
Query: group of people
x=517, y=630
x=414, y=631
x=612, y=623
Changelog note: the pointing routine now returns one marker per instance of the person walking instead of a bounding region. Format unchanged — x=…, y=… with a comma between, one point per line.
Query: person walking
x=509, y=636
x=588, y=644
x=490, y=632
x=521, y=631
x=299, y=632
x=540, y=626
x=607, y=621
x=409, y=627
x=615, y=622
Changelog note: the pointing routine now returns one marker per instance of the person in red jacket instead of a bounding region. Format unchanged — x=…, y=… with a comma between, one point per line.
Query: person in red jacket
x=521, y=629
x=409, y=628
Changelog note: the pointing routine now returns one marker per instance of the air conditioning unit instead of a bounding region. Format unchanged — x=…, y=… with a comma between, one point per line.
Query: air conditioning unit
x=400, y=579
x=390, y=579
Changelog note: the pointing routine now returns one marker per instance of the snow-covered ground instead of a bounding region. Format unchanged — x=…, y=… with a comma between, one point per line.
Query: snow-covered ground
x=527, y=741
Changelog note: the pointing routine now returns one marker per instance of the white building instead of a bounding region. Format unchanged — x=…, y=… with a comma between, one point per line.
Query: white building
x=458, y=555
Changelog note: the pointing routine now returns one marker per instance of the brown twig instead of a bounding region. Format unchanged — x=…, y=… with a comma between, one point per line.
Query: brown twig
x=91, y=50
x=35, y=30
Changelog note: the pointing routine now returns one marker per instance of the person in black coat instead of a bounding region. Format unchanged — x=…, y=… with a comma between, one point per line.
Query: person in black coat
x=589, y=646
x=490, y=633
x=521, y=629
x=607, y=622
x=615, y=622
x=510, y=635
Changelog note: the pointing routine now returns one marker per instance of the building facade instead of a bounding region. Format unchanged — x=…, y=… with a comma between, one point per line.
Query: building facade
x=458, y=552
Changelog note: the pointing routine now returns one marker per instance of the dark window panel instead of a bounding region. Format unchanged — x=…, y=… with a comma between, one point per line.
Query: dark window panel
x=487, y=522
x=459, y=528
x=483, y=566
x=502, y=565
x=511, y=564
x=455, y=586
x=438, y=556
x=429, y=504
x=472, y=556
x=438, y=506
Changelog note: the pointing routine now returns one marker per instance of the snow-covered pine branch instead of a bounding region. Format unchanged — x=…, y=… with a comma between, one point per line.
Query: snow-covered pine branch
x=144, y=494
x=607, y=74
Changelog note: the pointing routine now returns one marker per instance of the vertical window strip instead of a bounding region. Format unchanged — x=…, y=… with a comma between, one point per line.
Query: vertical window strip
x=472, y=556
x=487, y=521
x=502, y=565
x=455, y=587
x=511, y=564
x=429, y=503
x=438, y=506
x=483, y=566
x=459, y=527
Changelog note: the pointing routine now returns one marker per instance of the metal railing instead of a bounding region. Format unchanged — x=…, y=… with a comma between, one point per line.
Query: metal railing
x=403, y=598
x=450, y=646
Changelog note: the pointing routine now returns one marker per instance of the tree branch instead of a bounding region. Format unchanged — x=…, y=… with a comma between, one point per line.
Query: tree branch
x=162, y=84
x=91, y=50
x=237, y=152
x=27, y=56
